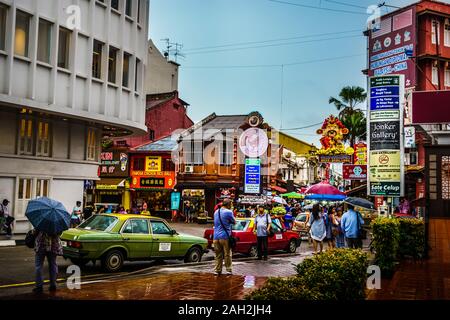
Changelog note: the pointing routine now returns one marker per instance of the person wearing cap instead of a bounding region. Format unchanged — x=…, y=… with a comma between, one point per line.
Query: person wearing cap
x=4, y=213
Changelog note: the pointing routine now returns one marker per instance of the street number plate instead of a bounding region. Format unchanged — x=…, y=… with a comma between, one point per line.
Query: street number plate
x=64, y=243
x=165, y=246
x=278, y=236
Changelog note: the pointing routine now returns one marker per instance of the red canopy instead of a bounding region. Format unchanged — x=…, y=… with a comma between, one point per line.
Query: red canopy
x=324, y=188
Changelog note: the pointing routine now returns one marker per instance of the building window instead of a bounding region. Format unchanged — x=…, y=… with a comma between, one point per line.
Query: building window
x=3, y=11
x=435, y=75
x=447, y=77
x=151, y=134
x=447, y=33
x=91, y=145
x=445, y=177
x=112, y=62
x=26, y=135
x=137, y=75
x=115, y=4
x=226, y=154
x=138, y=11
x=44, y=41
x=435, y=25
x=63, y=48
x=139, y=164
x=25, y=189
x=42, y=187
x=43, y=139
x=22, y=34
x=193, y=152
x=97, y=60
x=126, y=69
x=128, y=7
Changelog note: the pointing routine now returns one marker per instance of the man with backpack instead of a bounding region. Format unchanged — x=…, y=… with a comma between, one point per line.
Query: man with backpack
x=262, y=227
x=223, y=221
x=351, y=225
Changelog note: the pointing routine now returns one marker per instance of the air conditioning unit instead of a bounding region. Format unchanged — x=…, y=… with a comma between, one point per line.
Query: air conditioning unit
x=188, y=169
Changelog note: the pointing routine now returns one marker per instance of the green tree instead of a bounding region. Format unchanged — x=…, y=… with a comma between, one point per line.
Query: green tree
x=351, y=116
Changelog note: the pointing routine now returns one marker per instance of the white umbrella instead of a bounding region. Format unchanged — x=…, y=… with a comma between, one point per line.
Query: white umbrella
x=279, y=200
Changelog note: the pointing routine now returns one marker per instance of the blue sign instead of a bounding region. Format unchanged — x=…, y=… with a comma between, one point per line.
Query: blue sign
x=384, y=91
x=384, y=103
x=175, y=198
x=252, y=176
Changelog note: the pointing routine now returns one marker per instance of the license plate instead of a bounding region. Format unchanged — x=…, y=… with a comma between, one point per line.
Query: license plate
x=64, y=243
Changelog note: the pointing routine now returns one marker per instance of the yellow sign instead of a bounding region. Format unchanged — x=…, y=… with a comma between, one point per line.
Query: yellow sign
x=385, y=166
x=106, y=186
x=152, y=164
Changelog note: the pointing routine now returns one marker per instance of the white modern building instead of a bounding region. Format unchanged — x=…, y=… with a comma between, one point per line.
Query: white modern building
x=70, y=72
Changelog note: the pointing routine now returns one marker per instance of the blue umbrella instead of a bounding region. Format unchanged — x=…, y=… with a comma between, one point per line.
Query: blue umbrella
x=48, y=215
x=360, y=202
x=325, y=197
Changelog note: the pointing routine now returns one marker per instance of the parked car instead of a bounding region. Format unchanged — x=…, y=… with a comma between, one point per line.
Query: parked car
x=300, y=225
x=283, y=239
x=115, y=238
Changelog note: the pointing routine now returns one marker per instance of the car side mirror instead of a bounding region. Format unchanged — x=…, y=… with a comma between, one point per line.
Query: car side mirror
x=173, y=232
x=284, y=230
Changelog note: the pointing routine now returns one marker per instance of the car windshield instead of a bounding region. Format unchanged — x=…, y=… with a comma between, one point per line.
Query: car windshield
x=240, y=225
x=100, y=223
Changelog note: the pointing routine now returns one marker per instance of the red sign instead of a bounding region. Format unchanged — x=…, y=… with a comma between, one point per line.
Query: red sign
x=420, y=189
x=354, y=172
x=378, y=201
x=360, y=153
x=391, y=44
x=430, y=107
x=161, y=180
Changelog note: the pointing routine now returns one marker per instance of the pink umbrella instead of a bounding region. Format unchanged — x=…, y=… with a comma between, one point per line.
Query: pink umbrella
x=324, y=188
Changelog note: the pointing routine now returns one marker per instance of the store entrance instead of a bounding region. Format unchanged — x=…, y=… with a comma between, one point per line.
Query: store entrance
x=196, y=198
x=438, y=181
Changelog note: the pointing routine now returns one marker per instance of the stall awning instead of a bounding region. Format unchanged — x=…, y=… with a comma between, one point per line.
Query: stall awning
x=279, y=189
x=109, y=183
x=414, y=169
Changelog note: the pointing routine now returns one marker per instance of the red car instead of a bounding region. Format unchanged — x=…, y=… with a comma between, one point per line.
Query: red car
x=285, y=240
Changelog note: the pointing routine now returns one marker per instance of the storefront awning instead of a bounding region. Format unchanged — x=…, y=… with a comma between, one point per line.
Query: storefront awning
x=110, y=183
x=357, y=189
x=414, y=169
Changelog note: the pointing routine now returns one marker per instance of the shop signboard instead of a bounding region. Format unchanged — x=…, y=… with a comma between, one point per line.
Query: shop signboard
x=354, y=172
x=360, y=154
x=106, y=186
x=385, y=136
x=113, y=163
x=162, y=180
x=175, y=199
x=252, y=176
x=379, y=200
x=340, y=158
x=392, y=43
x=152, y=164
x=410, y=137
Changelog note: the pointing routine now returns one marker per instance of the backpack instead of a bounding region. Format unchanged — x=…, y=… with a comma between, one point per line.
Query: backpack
x=30, y=239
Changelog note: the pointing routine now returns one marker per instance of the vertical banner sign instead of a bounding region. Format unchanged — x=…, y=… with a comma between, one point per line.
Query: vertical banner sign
x=175, y=198
x=252, y=176
x=360, y=157
x=385, y=138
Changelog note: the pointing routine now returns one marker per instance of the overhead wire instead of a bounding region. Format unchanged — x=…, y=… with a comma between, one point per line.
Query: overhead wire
x=318, y=8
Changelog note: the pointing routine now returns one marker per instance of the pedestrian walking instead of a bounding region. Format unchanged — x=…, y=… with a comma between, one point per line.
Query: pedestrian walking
x=46, y=246
x=339, y=233
x=351, y=225
x=317, y=228
x=6, y=219
x=187, y=211
x=75, y=219
x=223, y=222
x=262, y=227
x=330, y=223
x=88, y=211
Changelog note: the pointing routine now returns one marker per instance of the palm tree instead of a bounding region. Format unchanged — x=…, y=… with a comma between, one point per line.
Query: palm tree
x=356, y=123
x=353, y=118
x=350, y=96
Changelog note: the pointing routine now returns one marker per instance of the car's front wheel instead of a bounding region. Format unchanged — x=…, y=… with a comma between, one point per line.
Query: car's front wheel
x=112, y=261
x=292, y=247
x=193, y=255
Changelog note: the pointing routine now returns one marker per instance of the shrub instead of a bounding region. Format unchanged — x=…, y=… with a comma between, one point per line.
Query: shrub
x=385, y=241
x=412, y=238
x=290, y=288
x=338, y=274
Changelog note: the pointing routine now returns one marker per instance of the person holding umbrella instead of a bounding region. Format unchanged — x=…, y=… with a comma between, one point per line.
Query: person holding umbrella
x=50, y=219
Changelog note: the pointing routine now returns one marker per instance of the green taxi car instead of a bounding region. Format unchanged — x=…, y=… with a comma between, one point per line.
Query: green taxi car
x=115, y=238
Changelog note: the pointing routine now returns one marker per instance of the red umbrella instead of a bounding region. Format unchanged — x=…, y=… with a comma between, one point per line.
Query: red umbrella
x=324, y=188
